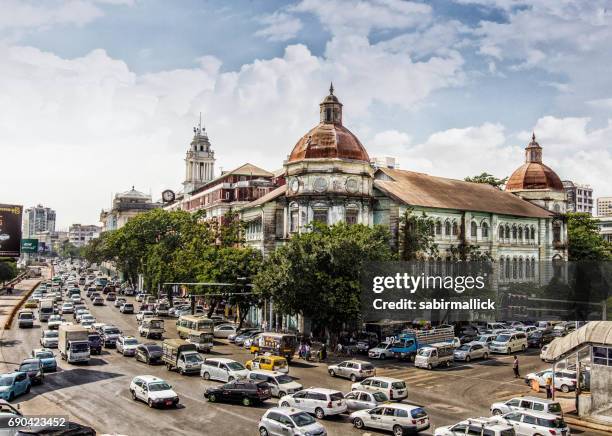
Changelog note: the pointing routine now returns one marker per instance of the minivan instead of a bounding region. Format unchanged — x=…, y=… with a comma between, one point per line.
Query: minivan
x=222, y=369
x=527, y=403
x=509, y=343
x=25, y=318
x=395, y=389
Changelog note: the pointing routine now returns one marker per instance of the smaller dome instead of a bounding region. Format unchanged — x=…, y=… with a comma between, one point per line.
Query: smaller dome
x=534, y=175
x=329, y=141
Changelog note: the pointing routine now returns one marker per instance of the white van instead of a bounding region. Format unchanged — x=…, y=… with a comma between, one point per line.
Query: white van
x=222, y=369
x=395, y=389
x=509, y=343
x=280, y=384
x=434, y=355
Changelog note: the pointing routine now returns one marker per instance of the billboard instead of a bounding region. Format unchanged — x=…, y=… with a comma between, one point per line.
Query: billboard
x=10, y=230
x=29, y=245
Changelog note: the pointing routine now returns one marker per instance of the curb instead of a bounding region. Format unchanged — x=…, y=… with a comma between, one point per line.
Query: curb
x=24, y=298
x=586, y=424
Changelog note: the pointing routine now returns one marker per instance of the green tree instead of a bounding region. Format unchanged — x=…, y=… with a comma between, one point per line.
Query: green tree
x=68, y=249
x=416, y=236
x=488, y=179
x=8, y=270
x=584, y=240
x=317, y=274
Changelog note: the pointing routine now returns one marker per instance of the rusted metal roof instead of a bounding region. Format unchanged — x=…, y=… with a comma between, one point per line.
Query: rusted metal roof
x=418, y=189
x=328, y=140
x=534, y=175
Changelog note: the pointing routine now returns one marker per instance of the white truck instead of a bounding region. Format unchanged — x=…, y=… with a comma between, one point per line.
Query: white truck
x=73, y=343
x=45, y=310
x=433, y=355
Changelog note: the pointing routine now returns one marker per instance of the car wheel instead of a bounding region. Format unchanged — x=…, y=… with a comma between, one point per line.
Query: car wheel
x=353, y=378
x=246, y=401
x=358, y=423
x=285, y=404
x=150, y=403
x=133, y=395
x=281, y=394
x=496, y=412
x=509, y=351
x=206, y=376
x=429, y=366
x=263, y=431
x=319, y=413
x=468, y=358
x=382, y=356
x=212, y=398
x=332, y=372
x=398, y=430
x=565, y=389
x=230, y=379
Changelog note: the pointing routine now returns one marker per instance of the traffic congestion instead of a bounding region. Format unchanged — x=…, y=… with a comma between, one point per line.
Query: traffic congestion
x=171, y=356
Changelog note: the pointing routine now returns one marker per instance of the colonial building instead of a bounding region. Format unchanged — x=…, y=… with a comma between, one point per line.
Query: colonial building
x=80, y=234
x=199, y=161
x=330, y=179
x=124, y=207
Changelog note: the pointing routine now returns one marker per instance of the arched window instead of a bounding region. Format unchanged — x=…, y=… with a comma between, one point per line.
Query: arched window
x=438, y=228
x=514, y=268
x=501, y=268
x=520, y=233
x=501, y=232
x=447, y=228
x=455, y=228
x=557, y=208
x=533, y=233
x=507, y=267
x=533, y=262
x=514, y=233
x=484, y=228
x=507, y=231
x=520, y=268
x=473, y=229
x=556, y=231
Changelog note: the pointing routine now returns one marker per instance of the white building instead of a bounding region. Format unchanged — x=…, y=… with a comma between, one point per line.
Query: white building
x=38, y=219
x=579, y=197
x=125, y=206
x=80, y=234
x=199, y=161
x=604, y=206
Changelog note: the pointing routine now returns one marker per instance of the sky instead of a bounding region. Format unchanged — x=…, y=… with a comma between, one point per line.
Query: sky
x=97, y=96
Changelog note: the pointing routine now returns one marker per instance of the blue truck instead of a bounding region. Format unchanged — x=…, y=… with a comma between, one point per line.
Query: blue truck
x=409, y=341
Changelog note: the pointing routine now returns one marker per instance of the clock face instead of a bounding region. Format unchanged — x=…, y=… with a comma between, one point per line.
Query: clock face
x=295, y=185
x=352, y=185
x=168, y=195
x=320, y=184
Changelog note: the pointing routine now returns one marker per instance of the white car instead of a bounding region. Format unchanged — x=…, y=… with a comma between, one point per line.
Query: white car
x=472, y=350
x=521, y=404
x=224, y=330
x=80, y=313
x=280, y=421
x=54, y=322
x=49, y=338
x=87, y=318
x=222, y=369
x=381, y=351
x=565, y=380
x=126, y=345
x=67, y=308
x=395, y=389
x=318, y=401
x=280, y=384
x=144, y=314
x=509, y=342
x=399, y=418
x=531, y=423
x=153, y=391
x=476, y=426
x=360, y=400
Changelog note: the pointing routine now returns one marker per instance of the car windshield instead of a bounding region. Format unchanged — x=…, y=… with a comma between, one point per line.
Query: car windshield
x=502, y=338
x=51, y=334
x=193, y=358
x=44, y=355
x=481, y=339
x=464, y=348
x=26, y=316
x=31, y=366
x=159, y=386
x=302, y=419
x=79, y=348
x=283, y=379
x=554, y=408
x=235, y=366
x=130, y=342
x=398, y=385
x=111, y=331
x=424, y=352
x=418, y=413
x=55, y=318
x=383, y=345
x=380, y=397
x=6, y=381
x=552, y=423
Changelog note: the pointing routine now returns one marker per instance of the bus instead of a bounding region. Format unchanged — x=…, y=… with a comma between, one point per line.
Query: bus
x=194, y=324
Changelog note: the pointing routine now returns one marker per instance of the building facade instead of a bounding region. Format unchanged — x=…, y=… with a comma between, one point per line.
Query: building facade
x=124, y=207
x=80, y=234
x=605, y=227
x=38, y=219
x=579, y=197
x=199, y=161
x=604, y=206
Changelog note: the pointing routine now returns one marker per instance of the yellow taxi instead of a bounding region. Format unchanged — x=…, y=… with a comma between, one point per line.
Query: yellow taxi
x=31, y=304
x=271, y=363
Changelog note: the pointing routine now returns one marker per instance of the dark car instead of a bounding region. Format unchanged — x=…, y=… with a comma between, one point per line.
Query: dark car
x=244, y=392
x=95, y=343
x=149, y=353
x=90, y=291
x=539, y=338
x=468, y=337
x=34, y=369
x=110, y=334
x=68, y=429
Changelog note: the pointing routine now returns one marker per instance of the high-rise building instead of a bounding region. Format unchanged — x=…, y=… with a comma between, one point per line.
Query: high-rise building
x=38, y=219
x=579, y=197
x=81, y=234
x=604, y=206
x=199, y=161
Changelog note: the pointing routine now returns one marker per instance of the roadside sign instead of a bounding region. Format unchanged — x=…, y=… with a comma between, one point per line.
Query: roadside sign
x=10, y=230
x=29, y=245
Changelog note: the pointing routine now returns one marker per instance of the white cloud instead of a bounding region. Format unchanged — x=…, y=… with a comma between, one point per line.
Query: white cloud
x=30, y=14
x=279, y=27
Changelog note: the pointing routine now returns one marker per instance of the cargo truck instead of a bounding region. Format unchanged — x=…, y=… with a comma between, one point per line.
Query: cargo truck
x=73, y=343
x=45, y=310
x=410, y=341
x=181, y=355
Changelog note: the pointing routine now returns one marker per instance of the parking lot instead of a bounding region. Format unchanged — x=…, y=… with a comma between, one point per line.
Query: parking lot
x=97, y=393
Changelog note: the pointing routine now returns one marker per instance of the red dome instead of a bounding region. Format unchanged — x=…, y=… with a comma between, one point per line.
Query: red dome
x=534, y=175
x=328, y=140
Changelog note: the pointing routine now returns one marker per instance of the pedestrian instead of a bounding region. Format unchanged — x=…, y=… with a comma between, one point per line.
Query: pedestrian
x=339, y=349
x=549, y=386
x=307, y=351
x=323, y=352
x=515, y=367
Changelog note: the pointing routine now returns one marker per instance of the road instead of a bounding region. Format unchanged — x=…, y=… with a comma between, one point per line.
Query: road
x=97, y=394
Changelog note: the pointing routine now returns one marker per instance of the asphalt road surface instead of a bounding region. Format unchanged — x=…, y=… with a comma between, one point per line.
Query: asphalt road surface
x=97, y=394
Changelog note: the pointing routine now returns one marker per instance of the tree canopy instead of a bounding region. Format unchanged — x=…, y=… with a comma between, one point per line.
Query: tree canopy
x=488, y=179
x=584, y=240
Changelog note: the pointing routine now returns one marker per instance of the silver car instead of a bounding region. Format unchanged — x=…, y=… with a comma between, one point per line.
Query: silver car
x=285, y=421
x=360, y=400
x=472, y=350
x=352, y=369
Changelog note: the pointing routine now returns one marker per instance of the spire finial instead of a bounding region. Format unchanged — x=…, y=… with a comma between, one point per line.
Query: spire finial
x=331, y=88
x=533, y=136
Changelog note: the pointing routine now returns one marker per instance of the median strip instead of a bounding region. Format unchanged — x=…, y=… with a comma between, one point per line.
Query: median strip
x=9, y=322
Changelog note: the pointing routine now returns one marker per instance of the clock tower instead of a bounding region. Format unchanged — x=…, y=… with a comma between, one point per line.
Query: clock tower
x=199, y=161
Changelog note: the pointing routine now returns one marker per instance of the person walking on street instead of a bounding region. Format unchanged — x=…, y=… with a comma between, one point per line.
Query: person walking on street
x=515, y=367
